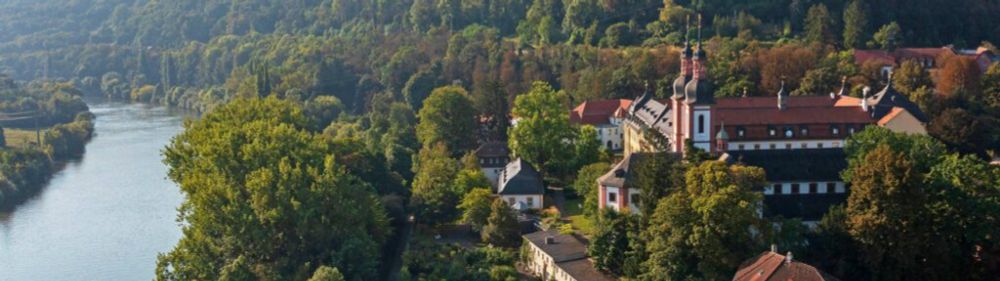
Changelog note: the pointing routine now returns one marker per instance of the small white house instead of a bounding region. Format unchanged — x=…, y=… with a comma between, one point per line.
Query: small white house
x=493, y=158
x=521, y=186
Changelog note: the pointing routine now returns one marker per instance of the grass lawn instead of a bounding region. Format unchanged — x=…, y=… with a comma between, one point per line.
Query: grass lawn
x=19, y=137
x=574, y=213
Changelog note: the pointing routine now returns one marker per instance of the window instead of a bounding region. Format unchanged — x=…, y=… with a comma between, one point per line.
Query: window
x=819, y=145
x=834, y=130
x=771, y=131
x=789, y=133
x=777, y=189
x=511, y=201
x=830, y=187
x=804, y=131
x=531, y=201
x=612, y=197
x=788, y=146
x=813, y=188
x=795, y=188
x=850, y=130
x=805, y=145
x=741, y=132
x=741, y=147
x=756, y=147
x=773, y=146
x=701, y=124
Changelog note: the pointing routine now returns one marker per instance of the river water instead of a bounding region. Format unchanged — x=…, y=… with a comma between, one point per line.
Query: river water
x=106, y=216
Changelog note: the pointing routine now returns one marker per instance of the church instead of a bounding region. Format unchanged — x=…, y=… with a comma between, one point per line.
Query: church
x=797, y=140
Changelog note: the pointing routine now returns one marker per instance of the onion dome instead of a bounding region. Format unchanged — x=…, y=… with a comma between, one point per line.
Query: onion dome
x=699, y=91
x=722, y=135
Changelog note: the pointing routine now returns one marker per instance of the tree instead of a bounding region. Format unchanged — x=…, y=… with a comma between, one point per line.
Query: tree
x=957, y=74
x=819, y=25
x=420, y=86
x=991, y=88
x=468, y=179
x=491, y=100
x=3, y=138
x=422, y=15
x=542, y=129
x=910, y=76
x=706, y=230
x=502, y=228
x=585, y=186
x=476, y=207
x=656, y=176
x=611, y=242
x=326, y=273
x=448, y=117
x=586, y=148
x=434, y=195
x=257, y=184
x=884, y=215
x=855, y=24
x=961, y=130
x=888, y=37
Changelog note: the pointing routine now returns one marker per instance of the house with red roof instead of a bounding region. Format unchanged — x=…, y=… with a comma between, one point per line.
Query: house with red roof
x=606, y=116
x=771, y=265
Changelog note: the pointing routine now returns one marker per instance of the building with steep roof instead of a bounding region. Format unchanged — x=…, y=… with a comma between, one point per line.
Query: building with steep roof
x=772, y=266
x=561, y=257
x=606, y=116
x=493, y=158
x=779, y=133
x=521, y=186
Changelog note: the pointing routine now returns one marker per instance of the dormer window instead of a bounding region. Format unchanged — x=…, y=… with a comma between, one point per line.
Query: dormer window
x=835, y=130
x=789, y=133
x=804, y=131
x=850, y=130
x=771, y=131
x=741, y=132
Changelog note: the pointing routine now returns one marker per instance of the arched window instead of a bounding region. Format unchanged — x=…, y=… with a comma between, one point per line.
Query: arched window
x=701, y=124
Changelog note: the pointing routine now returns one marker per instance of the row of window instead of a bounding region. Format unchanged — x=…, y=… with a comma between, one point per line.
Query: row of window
x=530, y=201
x=613, y=198
x=790, y=132
x=811, y=188
x=492, y=161
x=787, y=146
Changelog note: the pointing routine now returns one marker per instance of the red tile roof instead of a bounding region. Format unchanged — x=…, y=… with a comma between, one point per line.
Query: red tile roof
x=799, y=110
x=862, y=56
x=598, y=112
x=773, y=266
x=899, y=55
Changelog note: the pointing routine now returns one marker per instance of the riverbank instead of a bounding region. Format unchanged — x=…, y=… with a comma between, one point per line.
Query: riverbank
x=26, y=166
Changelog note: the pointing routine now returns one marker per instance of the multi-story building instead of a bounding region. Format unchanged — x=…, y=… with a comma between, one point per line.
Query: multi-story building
x=561, y=257
x=780, y=133
x=493, y=158
x=606, y=116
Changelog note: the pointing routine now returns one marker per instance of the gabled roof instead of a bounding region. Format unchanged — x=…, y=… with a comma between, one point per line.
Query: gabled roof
x=568, y=252
x=597, y=112
x=621, y=174
x=884, y=101
x=519, y=178
x=493, y=149
x=773, y=266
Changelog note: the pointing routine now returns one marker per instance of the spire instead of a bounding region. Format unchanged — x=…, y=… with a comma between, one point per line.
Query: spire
x=699, y=56
x=722, y=135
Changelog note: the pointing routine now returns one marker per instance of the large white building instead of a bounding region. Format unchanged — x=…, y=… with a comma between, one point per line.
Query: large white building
x=797, y=140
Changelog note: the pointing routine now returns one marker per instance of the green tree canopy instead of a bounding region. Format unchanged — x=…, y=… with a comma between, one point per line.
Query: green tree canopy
x=448, y=117
x=542, y=130
x=259, y=194
x=501, y=229
x=476, y=207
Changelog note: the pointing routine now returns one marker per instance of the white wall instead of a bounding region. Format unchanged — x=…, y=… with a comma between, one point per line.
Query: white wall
x=607, y=197
x=783, y=144
x=822, y=188
x=493, y=174
x=536, y=200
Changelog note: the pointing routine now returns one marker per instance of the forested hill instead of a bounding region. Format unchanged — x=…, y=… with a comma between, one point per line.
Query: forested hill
x=183, y=52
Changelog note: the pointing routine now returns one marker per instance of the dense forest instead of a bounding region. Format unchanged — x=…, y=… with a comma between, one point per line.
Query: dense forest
x=372, y=106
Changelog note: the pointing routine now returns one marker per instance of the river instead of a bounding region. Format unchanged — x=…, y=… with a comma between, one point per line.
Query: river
x=105, y=216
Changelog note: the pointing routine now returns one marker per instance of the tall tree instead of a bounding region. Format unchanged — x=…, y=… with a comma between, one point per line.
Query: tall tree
x=958, y=73
x=885, y=214
x=611, y=242
x=855, y=24
x=491, y=99
x=476, y=207
x=542, y=129
x=585, y=186
x=502, y=228
x=706, y=230
x=258, y=193
x=434, y=195
x=888, y=37
x=448, y=117
x=820, y=25
x=911, y=76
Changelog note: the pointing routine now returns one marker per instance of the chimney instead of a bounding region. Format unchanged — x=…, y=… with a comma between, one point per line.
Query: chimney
x=864, y=98
x=549, y=240
x=774, y=248
x=788, y=258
